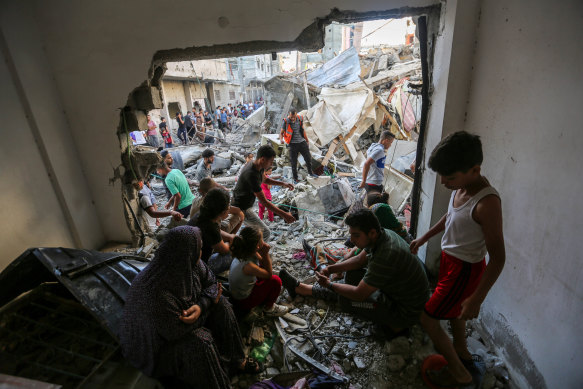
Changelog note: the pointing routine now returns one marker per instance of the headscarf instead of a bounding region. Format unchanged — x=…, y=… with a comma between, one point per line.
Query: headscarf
x=174, y=281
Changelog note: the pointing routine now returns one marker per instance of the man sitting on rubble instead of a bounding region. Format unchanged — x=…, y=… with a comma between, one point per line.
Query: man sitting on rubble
x=177, y=184
x=385, y=283
x=204, y=169
x=233, y=222
x=248, y=188
x=292, y=132
x=373, y=170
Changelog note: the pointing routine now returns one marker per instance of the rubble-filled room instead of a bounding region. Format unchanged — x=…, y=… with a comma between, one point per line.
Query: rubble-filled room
x=329, y=204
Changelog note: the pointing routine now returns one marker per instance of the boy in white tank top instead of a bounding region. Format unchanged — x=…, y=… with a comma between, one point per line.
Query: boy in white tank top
x=473, y=226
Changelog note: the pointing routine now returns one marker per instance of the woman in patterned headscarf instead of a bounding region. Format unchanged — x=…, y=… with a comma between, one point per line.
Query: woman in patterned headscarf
x=176, y=325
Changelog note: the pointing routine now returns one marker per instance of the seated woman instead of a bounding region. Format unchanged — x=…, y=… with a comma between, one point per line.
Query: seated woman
x=176, y=326
x=251, y=278
x=378, y=203
x=215, y=207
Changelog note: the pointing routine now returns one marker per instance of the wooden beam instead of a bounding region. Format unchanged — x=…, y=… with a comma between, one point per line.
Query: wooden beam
x=331, y=150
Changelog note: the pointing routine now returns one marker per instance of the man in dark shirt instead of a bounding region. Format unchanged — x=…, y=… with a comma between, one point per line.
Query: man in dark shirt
x=249, y=187
x=189, y=124
x=181, y=128
x=298, y=142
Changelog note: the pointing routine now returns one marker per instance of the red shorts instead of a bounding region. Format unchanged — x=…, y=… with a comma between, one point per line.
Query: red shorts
x=457, y=281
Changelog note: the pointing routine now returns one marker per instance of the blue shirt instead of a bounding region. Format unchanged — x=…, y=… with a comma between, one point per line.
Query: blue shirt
x=224, y=117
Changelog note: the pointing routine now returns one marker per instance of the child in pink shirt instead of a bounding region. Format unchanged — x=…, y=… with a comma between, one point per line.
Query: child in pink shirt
x=267, y=191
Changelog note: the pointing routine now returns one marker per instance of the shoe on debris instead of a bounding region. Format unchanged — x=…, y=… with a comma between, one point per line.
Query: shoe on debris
x=276, y=310
x=289, y=282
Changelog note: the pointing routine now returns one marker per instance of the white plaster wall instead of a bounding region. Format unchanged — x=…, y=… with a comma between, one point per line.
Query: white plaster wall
x=30, y=213
x=525, y=102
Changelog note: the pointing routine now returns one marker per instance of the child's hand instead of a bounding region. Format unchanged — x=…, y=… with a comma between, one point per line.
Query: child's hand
x=414, y=246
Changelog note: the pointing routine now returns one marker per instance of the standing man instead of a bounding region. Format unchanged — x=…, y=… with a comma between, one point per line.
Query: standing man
x=189, y=124
x=224, y=120
x=181, y=195
x=292, y=132
x=152, y=133
x=208, y=120
x=204, y=168
x=249, y=187
x=373, y=171
x=181, y=128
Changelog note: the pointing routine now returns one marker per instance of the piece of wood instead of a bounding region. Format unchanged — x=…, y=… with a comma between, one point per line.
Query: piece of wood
x=393, y=121
x=306, y=91
x=331, y=150
x=345, y=174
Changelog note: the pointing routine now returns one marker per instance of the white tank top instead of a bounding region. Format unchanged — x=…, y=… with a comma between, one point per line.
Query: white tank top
x=463, y=237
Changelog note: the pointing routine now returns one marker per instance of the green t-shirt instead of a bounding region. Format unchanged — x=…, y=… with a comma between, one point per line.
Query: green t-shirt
x=388, y=220
x=396, y=272
x=176, y=183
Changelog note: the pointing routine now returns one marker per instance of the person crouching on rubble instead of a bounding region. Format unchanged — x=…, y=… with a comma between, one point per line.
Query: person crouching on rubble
x=373, y=170
x=215, y=248
x=385, y=283
x=176, y=325
x=251, y=279
x=148, y=204
x=248, y=188
x=378, y=204
x=473, y=227
x=235, y=218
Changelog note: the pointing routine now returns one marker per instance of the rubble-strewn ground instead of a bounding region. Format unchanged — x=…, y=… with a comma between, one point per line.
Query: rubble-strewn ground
x=344, y=342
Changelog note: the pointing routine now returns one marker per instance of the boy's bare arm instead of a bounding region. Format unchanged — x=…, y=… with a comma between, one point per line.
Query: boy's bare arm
x=488, y=213
x=436, y=229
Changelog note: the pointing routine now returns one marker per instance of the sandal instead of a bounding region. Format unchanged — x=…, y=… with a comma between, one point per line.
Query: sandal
x=442, y=378
x=252, y=366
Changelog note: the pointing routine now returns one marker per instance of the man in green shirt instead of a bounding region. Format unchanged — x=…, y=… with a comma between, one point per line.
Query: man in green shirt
x=181, y=199
x=385, y=283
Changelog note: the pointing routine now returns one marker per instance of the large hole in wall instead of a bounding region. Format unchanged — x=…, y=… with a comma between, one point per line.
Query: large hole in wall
x=151, y=97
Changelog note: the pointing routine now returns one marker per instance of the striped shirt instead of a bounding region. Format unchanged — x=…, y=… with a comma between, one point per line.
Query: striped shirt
x=397, y=272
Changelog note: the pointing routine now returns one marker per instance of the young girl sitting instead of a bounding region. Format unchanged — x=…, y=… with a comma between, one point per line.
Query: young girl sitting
x=251, y=277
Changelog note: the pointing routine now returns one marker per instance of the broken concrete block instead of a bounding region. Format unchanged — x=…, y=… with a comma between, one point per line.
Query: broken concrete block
x=318, y=182
x=337, y=196
x=359, y=362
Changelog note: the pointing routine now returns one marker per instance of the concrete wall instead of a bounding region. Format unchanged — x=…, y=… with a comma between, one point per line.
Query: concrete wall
x=45, y=197
x=509, y=78
x=212, y=69
x=525, y=102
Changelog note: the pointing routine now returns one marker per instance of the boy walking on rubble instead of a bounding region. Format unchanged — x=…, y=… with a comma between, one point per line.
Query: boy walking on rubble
x=373, y=171
x=473, y=226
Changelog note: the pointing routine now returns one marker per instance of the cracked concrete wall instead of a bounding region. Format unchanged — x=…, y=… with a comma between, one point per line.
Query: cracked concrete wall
x=525, y=102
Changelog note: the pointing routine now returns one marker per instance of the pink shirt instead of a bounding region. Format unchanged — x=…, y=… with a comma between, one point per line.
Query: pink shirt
x=151, y=128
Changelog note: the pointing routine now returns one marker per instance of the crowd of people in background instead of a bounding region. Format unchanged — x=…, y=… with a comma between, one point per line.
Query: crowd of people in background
x=193, y=124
